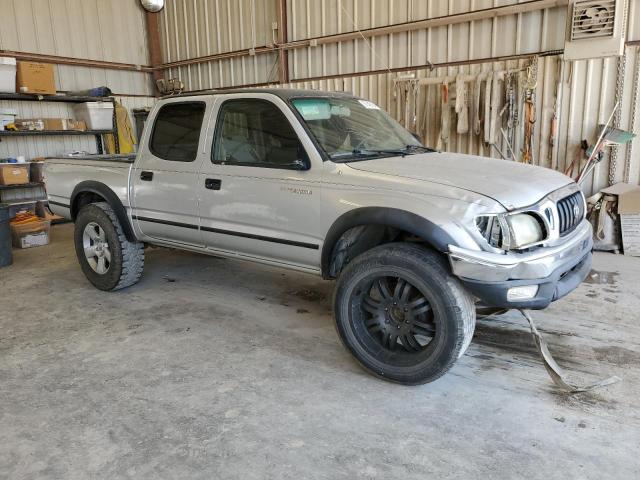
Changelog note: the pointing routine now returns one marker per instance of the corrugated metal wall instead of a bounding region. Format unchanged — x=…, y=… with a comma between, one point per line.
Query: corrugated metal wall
x=111, y=30
x=192, y=28
x=509, y=35
x=586, y=89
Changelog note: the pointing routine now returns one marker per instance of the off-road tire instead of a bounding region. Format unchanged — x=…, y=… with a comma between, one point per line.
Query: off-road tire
x=428, y=273
x=127, y=258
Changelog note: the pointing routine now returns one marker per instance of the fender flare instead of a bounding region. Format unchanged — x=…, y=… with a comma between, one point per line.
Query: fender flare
x=431, y=233
x=110, y=197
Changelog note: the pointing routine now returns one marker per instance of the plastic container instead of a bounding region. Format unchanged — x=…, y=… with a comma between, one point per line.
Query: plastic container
x=97, y=115
x=33, y=234
x=6, y=257
x=7, y=75
x=7, y=116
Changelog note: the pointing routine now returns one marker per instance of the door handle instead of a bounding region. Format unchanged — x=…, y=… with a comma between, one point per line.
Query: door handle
x=212, y=183
x=146, y=176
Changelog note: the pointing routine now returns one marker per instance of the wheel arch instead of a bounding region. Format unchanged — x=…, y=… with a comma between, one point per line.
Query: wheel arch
x=385, y=218
x=91, y=191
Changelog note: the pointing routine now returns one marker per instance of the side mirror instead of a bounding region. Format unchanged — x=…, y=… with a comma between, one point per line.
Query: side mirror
x=300, y=164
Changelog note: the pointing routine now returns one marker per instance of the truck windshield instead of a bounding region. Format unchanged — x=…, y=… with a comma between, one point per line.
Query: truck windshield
x=352, y=128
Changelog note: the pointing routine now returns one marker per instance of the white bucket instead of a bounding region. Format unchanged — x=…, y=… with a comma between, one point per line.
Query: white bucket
x=97, y=115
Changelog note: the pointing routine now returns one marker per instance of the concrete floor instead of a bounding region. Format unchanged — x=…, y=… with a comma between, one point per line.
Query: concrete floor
x=213, y=368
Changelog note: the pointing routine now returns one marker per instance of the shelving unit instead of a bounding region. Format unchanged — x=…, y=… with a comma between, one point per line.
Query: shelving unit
x=22, y=194
x=38, y=188
x=22, y=97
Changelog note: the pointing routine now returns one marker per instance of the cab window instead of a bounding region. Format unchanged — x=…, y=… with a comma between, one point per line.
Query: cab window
x=254, y=132
x=176, y=131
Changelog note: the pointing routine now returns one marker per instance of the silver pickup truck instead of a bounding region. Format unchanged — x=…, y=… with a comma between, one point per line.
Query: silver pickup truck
x=330, y=184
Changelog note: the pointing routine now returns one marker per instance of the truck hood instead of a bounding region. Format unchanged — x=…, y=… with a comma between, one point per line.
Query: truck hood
x=514, y=185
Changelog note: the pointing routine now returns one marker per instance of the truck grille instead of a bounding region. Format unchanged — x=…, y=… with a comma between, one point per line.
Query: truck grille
x=570, y=212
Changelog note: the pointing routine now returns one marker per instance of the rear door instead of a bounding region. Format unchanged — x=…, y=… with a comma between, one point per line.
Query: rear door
x=255, y=197
x=165, y=176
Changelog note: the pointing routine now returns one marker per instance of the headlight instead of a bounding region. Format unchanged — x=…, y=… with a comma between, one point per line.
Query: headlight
x=508, y=232
x=525, y=230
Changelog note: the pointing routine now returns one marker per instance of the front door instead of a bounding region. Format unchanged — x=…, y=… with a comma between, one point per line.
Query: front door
x=260, y=189
x=164, y=194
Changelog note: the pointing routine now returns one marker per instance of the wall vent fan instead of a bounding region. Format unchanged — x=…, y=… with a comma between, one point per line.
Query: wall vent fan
x=595, y=29
x=593, y=19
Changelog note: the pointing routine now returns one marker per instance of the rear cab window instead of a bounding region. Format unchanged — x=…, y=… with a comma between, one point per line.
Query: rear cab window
x=176, y=131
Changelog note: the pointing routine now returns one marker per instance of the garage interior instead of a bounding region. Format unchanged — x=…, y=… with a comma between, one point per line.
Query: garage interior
x=213, y=367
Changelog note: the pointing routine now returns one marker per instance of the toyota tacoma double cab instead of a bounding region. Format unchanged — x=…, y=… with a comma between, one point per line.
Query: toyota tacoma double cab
x=329, y=184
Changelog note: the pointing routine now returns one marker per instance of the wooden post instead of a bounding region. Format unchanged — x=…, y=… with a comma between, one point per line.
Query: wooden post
x=153, y=42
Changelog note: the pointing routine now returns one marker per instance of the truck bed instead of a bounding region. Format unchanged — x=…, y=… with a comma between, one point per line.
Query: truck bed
x=64, y=173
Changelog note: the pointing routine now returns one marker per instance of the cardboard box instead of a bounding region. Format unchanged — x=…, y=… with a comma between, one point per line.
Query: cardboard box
x=629, y=212
x=32, y=234
x=37, y=78
x=49, y=124
x=29, y=124
x=14, y=173
x=79, y=125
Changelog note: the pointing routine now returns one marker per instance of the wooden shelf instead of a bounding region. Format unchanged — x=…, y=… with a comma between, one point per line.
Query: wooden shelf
x=25, y=202
x=20, y=185
x=25, y=97
x=22, y=133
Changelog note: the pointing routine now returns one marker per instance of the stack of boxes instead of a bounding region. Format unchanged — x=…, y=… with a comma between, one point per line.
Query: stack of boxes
x=27, y=229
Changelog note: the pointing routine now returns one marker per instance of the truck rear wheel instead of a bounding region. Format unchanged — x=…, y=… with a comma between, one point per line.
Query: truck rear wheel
x=402, y=314
x=108, y=259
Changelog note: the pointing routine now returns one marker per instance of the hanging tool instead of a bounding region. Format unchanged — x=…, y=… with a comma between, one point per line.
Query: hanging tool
x=487, y=108
x=506, y=140
x=445, y=117
x=530, y=85
x=495, y=104
x=509, y=106
x=553, y=128
x=462, y=106
x=477, y=89
x=597, y=148
x=575, y=163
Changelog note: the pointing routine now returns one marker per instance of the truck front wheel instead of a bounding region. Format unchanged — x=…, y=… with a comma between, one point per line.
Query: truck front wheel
x=402, y=314
x=108, y=259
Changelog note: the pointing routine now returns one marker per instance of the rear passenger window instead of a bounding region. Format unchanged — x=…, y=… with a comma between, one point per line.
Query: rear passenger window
x=177, y=131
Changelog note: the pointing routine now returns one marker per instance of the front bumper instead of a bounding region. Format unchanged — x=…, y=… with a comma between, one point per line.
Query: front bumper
x=557, y=270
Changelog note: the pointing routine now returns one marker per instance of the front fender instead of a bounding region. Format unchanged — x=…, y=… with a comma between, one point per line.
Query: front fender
x=438, y=235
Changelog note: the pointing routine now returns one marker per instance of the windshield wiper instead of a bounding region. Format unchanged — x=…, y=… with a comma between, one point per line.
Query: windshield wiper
x=413, y=148
x=368, y=152
x=358, y=153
